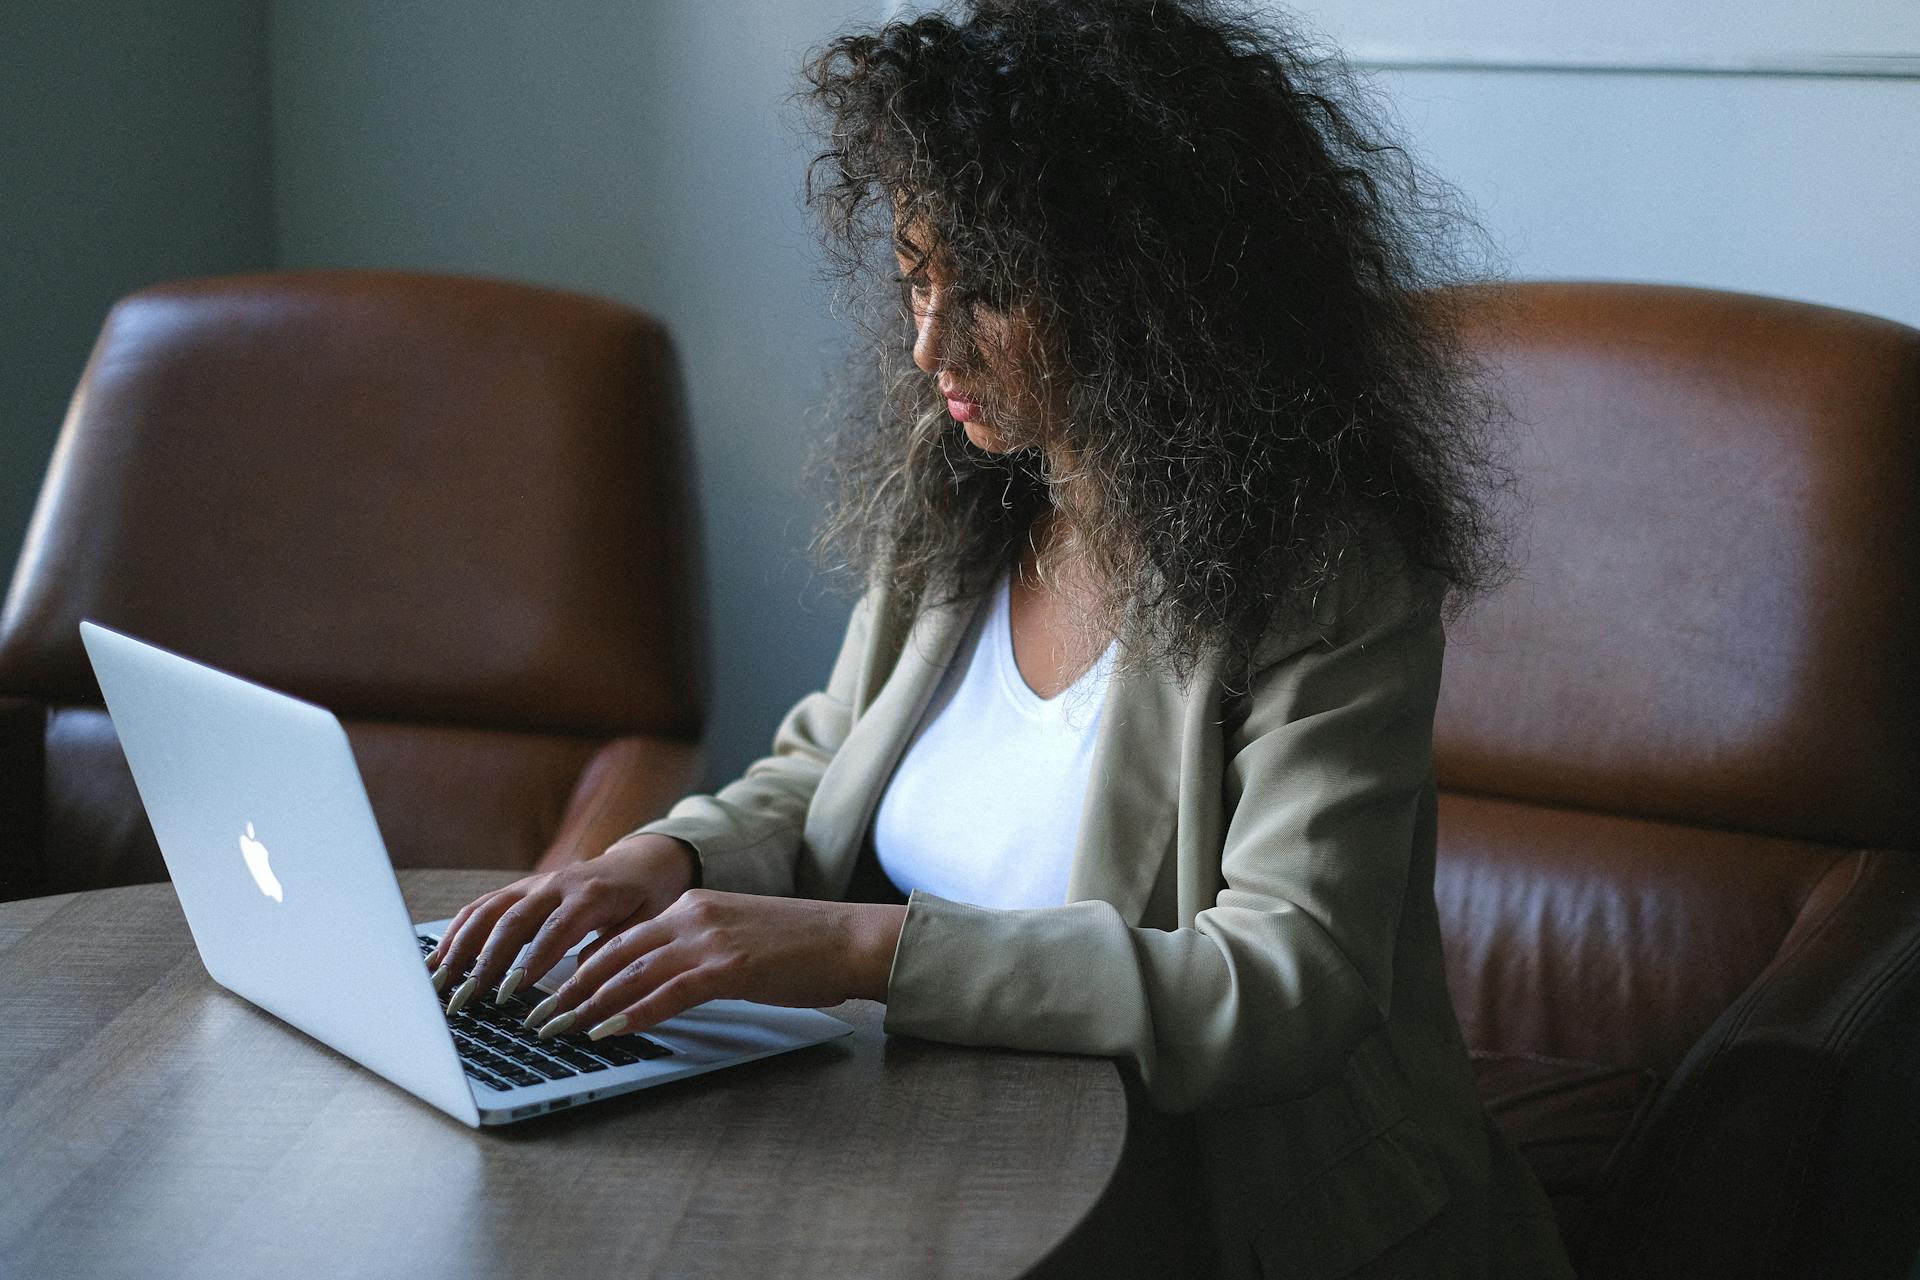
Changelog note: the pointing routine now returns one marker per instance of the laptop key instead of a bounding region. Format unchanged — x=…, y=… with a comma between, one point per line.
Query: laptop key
x=567, y=1053
x=526, y=1041
x=543, y=1056
x=491, y=1036
x=626, y=1049
x=492, y=1068
x=622, y=1051
x=608, y=1051
x=485, y=1077
x=548, y=1069
x=502, y=1015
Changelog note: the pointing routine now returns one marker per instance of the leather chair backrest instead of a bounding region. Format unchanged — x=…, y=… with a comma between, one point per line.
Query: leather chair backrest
x=1664, y=745
x=1705, y=662
x=457, y=512
x=1714, y=617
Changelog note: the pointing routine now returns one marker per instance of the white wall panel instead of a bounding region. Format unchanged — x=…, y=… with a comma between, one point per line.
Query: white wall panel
x=1800, y=187
x=1839, y=35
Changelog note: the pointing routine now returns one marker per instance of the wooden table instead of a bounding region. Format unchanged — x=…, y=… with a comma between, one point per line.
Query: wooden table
x=152, y=1125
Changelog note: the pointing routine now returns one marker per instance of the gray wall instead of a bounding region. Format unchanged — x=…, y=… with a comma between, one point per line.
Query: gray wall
x=133, y=148
x=628, y=149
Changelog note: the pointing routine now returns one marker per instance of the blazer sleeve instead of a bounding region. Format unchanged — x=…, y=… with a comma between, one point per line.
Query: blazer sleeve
x=747, y=835
x=1269, y=992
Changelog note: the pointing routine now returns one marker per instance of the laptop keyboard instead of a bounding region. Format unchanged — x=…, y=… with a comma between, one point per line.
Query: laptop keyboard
x=500, y=1053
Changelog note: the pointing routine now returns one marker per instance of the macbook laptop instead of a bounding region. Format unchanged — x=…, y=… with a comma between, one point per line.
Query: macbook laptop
x=264, y=822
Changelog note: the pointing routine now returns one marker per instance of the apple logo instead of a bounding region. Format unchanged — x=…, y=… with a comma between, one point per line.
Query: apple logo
x=256, y=855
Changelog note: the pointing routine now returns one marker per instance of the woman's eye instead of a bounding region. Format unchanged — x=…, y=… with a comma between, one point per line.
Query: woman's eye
x=916, y=293
x=956, y=299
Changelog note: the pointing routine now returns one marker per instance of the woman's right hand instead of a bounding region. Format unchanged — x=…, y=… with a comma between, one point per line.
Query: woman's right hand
x=634, y=880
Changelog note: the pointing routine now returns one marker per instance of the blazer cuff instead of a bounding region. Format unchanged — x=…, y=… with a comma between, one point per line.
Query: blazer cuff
x=967, y=974
x=762, y=864
x=1246, y=1008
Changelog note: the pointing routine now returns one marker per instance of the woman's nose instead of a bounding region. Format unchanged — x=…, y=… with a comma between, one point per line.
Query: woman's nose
x=930, y=332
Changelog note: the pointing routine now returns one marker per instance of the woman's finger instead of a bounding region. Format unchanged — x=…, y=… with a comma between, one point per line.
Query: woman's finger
x=508, y=936
x=438, y=956
x=592, y=949
x=690, y=987
x=624, y=987
x=467, y=943
x=608, y=932
x=571, y=921
x=618, y=951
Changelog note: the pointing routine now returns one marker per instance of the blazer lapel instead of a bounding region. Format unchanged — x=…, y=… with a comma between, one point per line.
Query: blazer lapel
x=1128, y=821
x=849, y=791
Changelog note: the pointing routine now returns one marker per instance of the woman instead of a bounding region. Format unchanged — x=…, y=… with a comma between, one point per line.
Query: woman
x=1157, y=525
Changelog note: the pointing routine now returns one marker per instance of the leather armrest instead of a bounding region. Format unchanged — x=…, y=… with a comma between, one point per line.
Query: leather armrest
x=630, y=781
x=23, y=852
x=1793, y=1122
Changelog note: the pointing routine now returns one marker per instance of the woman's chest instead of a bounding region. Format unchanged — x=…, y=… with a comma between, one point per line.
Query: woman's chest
x=1051, y=648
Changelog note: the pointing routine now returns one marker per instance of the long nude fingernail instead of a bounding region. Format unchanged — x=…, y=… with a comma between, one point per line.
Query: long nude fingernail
x=513, y=979
x=441, y=975
x=558, y=1025
x=611, y=1027
x=540, y=1012
x=461, y=994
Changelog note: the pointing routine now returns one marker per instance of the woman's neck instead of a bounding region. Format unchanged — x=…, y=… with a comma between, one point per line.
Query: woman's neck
x=1051, y=562
x=1040, y=549
x=1050, y=603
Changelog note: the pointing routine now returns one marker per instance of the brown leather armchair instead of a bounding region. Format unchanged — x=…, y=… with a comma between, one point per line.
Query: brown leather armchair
x=1680, y=756
x=457, y=512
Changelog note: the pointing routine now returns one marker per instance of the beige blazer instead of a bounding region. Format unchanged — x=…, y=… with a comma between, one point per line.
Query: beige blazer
x=1250, y=927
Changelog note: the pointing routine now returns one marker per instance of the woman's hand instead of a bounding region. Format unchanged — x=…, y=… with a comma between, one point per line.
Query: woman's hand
x=711, y=945
x=635, y=879
x=663, y=946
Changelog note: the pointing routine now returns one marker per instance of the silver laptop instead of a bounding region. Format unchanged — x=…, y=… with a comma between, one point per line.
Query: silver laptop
x=265, y=826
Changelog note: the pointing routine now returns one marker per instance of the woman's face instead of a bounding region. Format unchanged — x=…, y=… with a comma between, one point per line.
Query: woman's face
x=990, y=364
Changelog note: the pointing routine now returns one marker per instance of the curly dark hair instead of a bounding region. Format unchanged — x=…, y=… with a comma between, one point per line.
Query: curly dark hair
x=1236, y=269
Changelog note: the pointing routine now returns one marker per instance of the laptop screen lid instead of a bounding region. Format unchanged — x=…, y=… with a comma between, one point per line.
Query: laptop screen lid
x=258, y=807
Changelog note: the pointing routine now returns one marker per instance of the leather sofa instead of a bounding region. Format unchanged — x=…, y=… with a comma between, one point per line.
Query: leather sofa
x=457, y=512
x=1679, y=874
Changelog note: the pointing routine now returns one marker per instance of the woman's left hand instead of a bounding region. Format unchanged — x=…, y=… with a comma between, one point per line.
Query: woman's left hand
x=713, y=945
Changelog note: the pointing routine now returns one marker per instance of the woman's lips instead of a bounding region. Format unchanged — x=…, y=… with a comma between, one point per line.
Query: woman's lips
x=963, y=410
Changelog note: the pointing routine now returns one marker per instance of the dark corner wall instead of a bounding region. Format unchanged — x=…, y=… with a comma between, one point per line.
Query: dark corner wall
x=135, y=146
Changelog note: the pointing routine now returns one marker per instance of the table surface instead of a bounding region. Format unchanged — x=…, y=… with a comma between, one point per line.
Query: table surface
x=153, y=1124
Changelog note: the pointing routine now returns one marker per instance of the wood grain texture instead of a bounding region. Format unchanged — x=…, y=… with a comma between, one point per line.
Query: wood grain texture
x=153, y=1125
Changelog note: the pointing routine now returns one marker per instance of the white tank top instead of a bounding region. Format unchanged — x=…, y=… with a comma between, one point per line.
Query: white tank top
x=984, y=806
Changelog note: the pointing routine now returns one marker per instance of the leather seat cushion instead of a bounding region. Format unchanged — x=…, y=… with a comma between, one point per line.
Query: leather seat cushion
x=1571, y=1120
x=1597, y=938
